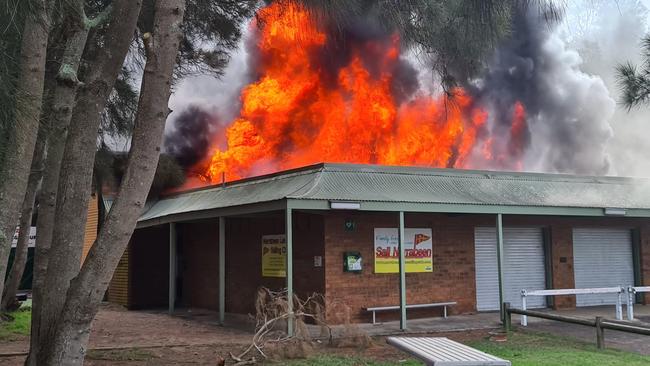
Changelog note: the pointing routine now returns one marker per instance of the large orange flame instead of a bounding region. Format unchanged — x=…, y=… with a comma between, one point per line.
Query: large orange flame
x=293, y=116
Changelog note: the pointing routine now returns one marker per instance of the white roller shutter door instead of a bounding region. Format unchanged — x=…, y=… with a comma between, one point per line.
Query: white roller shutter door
x=602, y=258
x=524, y=266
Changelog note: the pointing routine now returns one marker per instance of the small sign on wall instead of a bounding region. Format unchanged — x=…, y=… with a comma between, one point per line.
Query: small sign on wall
x=350, y=225
x=352, y=262
x=32, y=237
x=318, y=261
x=274, y=253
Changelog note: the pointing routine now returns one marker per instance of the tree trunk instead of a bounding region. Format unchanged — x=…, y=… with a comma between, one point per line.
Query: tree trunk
x=19, y=158
x=22, y=246
x=87, y=289
x=73, y=189
x=66, y=200
x=63, y=94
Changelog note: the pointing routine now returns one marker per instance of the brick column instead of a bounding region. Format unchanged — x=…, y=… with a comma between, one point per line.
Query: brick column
x=562, y=259
x=645, y=258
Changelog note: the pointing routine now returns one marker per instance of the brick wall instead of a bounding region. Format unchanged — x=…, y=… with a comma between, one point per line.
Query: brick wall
x=198, y=264
x=561, y=236
x=90, y=231
x=118, y=288
x=244, y=258
x=149, y=268
x=452, y=278
x=645, y=258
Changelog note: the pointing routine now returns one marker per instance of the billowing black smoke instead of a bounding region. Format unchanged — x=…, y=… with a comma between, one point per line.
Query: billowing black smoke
x=370, y=40
x=191, y=136
x=567, y=111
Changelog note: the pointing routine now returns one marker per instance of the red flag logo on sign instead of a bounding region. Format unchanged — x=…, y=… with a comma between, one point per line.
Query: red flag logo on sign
x=419, y=238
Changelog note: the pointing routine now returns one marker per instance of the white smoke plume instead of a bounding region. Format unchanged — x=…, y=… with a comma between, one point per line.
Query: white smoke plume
x=607, y=33
x=568, y=111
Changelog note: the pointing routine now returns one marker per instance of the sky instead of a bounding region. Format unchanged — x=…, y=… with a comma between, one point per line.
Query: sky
x=602, y=33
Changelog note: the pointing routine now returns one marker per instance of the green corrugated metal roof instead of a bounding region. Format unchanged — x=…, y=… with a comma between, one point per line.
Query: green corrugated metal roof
x=372, y=183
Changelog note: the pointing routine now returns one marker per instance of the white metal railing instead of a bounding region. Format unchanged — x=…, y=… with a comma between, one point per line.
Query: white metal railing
x=575, y=291
x=631, y=295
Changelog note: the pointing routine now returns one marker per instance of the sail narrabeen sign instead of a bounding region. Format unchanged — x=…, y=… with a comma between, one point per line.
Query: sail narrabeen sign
x=418, y=250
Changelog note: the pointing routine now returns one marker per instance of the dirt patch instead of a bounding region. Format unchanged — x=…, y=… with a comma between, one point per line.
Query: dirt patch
x=121, y=337
x=115, y=327
x=185, y=355
x=377, y=350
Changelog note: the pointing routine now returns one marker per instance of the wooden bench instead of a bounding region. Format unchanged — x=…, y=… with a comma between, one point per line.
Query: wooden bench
x=435, y=351
x=413, y=306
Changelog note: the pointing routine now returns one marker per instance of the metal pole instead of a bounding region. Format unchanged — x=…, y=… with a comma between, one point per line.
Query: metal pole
x=222, y=270
x=631, y=296
x=500, y=264
x=524, y=318
x=619, y=305
x=172, y=267
x=402, y=274
x=289, y=266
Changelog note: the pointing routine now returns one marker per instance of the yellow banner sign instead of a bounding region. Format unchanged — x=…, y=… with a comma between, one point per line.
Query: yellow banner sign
x=418, y=250
x=274, y=252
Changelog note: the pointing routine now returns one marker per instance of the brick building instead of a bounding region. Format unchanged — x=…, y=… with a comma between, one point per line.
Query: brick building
x=204, y=248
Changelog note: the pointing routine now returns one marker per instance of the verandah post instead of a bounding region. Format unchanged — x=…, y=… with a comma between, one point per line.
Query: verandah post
x=500, y=264
x=222, y=269
x=402, y=274
x=172, y=267
x=289, y=267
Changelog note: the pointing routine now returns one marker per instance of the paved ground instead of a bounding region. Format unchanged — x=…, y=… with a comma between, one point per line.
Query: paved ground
x=114, y=327
x=480, y=321
x=194, y=337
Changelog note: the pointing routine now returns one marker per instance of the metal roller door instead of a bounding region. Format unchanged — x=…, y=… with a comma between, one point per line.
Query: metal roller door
x=602, y=258
x=523, y=261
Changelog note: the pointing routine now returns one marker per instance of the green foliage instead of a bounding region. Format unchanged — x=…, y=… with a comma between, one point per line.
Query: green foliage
x=211, y=29
x=635, y=81
x=528, y=349
x=18, y=324
x=168, y=175
x=119, y=114
x=452, y=37
x=12, y=18
x=110, y=166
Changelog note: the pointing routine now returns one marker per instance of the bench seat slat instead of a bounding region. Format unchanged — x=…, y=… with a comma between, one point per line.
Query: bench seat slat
x=413, y=306
x=438, y=351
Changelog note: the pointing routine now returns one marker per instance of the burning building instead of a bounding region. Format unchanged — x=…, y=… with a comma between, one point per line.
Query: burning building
x=334, y=229
x=268, y=213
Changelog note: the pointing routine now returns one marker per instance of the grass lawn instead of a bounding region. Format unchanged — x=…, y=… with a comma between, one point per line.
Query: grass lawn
x=528, y=349
x=20, y=326
x=522, y=349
